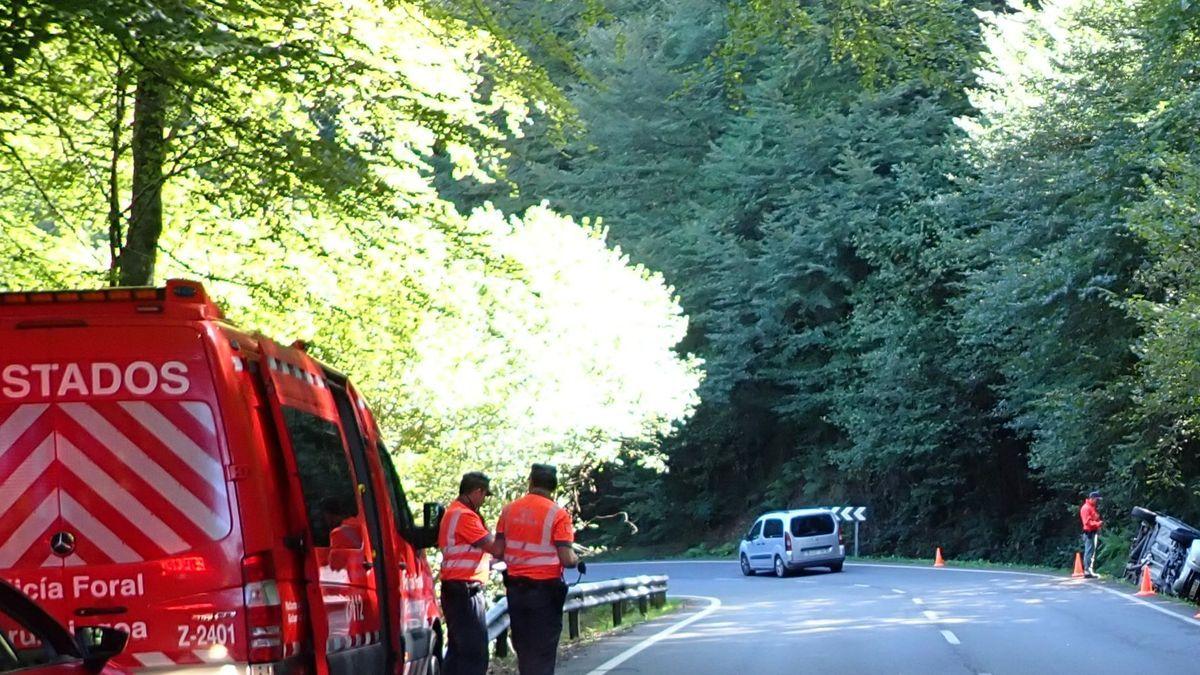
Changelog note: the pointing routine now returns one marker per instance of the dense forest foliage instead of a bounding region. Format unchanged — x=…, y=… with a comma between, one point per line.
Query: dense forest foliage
x=283, y=152
x=937, y=258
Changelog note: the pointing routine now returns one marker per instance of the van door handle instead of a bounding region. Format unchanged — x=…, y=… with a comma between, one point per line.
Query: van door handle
x=368, y=564
x=402, y=565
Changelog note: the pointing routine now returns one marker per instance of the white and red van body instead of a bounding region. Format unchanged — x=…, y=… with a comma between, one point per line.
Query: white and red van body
x=226, y=500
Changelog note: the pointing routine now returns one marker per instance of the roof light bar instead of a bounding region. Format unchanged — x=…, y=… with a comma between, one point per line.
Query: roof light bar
x=106, y=295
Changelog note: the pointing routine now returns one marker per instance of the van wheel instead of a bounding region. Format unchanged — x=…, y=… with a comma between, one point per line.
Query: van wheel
x=1145, y=515
x=836, y=567
x=747, y=570
x=1184, y=537
x=781, y=570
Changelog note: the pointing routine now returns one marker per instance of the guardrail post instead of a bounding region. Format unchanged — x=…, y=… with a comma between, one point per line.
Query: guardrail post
x=573, y=624
x=617, y=610
x=643, y=604
x=659, y=599
x=502, y=644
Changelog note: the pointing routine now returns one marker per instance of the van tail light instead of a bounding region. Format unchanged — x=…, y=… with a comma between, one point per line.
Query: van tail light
x=264, y=611
x=841, y=540
x=787, y=541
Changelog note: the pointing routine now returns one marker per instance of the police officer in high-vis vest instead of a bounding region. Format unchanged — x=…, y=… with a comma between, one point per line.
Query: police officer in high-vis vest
x=466, y=544
x=536, y=537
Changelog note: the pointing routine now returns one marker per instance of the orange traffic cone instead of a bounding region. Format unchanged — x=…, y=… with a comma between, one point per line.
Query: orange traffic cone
x=1078, y=566
x=937, y=561
x=1146, y=588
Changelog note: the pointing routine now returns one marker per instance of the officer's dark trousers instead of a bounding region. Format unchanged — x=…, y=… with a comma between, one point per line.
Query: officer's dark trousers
x=466, y=627
x=535, y=610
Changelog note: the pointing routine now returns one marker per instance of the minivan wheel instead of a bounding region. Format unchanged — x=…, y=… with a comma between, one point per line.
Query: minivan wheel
x=836, y=567
x=780, y=568
x=746, y=569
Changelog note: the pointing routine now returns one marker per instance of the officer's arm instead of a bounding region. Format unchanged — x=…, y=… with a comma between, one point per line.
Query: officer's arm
x=499, y=543
x=493, y=545
x=566, y=554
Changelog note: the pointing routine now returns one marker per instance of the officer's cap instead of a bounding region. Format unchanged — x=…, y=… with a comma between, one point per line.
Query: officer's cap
x=473, y=480
x=544, y=475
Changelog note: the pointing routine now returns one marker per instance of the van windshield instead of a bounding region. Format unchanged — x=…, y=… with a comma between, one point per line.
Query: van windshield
x=811, y=526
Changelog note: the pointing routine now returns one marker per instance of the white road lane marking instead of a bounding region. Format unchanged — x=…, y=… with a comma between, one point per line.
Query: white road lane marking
x=861, y=586
x=918, y=601
x=897, y=590
x=950, y=637
x=932, y=616
x=713, y=605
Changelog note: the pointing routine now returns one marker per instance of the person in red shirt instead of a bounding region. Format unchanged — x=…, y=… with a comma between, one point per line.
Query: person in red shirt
x=1089, y=515
x=467, y=547
x=536, y=536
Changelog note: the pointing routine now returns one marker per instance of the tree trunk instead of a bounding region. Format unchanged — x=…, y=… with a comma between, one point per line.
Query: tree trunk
x=116, y=221
x=136, y=260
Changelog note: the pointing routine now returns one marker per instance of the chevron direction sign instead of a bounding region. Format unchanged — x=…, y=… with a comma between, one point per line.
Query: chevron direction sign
x=850, y=514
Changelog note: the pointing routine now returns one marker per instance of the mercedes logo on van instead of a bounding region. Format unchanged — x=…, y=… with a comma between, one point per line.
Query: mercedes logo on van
x=63, y=544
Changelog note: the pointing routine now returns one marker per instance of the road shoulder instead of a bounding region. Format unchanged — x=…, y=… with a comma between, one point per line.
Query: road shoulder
x=585, y=658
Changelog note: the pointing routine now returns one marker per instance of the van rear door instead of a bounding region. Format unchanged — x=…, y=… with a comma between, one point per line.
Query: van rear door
x=115, y=472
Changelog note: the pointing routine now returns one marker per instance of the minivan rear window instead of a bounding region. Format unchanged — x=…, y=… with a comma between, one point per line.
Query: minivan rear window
x=324, y=473
x=811, y=526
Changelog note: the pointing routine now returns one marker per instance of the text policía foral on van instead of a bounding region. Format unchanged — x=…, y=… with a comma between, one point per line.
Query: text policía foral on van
x=83, y=586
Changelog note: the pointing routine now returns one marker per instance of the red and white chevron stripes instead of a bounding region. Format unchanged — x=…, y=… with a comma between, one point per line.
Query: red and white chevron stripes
x=133, y=481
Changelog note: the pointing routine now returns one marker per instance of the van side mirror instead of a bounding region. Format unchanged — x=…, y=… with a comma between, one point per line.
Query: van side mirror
x=98, y=644
x=433, y=515
x=426, y=534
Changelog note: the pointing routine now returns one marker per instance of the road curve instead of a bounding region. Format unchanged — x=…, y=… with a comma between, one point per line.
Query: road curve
x=895, y=619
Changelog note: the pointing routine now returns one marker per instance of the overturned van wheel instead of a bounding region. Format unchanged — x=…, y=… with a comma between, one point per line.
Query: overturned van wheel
x=1145, y=515
x=1184, y=537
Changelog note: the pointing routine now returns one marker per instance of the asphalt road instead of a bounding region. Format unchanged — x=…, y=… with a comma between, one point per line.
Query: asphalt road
x=893, y=619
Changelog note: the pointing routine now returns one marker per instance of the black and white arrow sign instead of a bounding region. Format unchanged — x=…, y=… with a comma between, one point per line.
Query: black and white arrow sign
x=850, y=513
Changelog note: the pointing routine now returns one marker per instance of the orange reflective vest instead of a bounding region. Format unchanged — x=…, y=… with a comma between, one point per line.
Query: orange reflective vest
x=461, y=561
x=531, y=525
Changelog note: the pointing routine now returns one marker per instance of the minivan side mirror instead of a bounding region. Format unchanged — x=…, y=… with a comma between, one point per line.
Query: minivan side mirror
x=98, y=644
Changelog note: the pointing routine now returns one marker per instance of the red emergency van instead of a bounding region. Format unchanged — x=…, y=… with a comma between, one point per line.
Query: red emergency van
x=224, y=499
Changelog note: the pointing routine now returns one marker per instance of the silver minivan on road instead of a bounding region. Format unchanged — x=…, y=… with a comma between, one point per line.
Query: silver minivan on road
x=786, y=541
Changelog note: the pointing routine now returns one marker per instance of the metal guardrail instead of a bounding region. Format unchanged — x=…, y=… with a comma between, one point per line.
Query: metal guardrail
x=646, y=590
